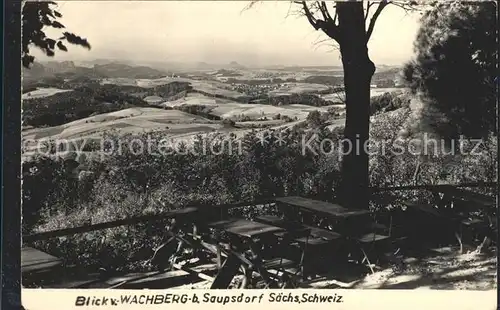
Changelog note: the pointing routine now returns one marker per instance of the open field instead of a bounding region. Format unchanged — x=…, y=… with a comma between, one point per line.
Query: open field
x=43, y=92
x=132, y=119
x=129, y=121
x=234, y=110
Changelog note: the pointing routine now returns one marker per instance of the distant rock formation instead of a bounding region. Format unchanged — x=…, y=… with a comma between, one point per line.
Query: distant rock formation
x=60, y=67
x=107, y=70
x=236, y=65
x=117, y=70
x=203, y=65
x=36, y=70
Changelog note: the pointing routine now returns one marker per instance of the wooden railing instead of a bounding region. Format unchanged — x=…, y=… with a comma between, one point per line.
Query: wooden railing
x=222, y=208
x=150, y=218
x=432, y=186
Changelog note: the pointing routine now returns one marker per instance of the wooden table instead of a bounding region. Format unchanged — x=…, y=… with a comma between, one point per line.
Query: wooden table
x=355, y=232
x=244, y=235
x=320, y=207
x=481, y=201
x=349, y=222
x=245, y=228
x=460, y=217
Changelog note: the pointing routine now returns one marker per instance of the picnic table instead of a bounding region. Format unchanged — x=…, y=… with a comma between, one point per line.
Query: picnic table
x=247, y=243
x=320, y=207
x=351, y=225
x=459, y=211
x=466, y=198
x=349, y=222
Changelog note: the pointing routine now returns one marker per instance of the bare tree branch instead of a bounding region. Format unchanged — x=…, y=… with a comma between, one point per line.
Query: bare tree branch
x=409, y=6
x=249, y=6
x=341, y=96
x=318, y=44
x=328, y=25
x=289, y=9
x=310, y=17
x=326, y=42
x=373, y=20
x=324, y=11
x=368, y=5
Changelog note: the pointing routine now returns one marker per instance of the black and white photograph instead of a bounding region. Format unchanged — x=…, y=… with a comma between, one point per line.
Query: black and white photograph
x=259, y=145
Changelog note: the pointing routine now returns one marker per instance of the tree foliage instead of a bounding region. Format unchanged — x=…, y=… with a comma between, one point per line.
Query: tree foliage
x=36, y=17
x=455, y=65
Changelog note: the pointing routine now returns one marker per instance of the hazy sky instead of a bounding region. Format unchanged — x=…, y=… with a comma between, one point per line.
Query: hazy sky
x=219, y=32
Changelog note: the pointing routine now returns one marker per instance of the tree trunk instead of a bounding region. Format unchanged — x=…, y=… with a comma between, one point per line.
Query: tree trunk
x=358, y=71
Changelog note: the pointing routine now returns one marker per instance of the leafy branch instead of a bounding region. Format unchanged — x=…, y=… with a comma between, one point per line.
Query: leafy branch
x=36, y=17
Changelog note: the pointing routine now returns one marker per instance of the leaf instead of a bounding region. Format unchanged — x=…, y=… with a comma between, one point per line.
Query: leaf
x=49, y=53
x=45, y=20
x=57, y=14
x=57, y=24
x=27, y=60
x=61, y=46
x=77, y=40
x=51, y=43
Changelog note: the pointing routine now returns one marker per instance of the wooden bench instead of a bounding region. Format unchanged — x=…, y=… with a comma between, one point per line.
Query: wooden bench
x=323, y=233
x=372, y=238
x=304, y=234
x=34, y=261
x=291, y=228
x=424, y=208
x=279, y=263
x=309, y=241
x=314, y=243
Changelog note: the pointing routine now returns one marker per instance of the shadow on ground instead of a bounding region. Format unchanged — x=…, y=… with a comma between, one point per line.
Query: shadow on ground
x=447, y=270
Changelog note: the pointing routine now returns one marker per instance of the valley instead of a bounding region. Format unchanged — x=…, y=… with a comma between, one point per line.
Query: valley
x=66, y=102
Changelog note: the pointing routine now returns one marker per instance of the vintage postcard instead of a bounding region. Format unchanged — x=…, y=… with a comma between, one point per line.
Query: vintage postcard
x=314, y=154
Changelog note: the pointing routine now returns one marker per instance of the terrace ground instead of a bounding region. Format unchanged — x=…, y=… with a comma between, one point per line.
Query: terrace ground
x=445, y=270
